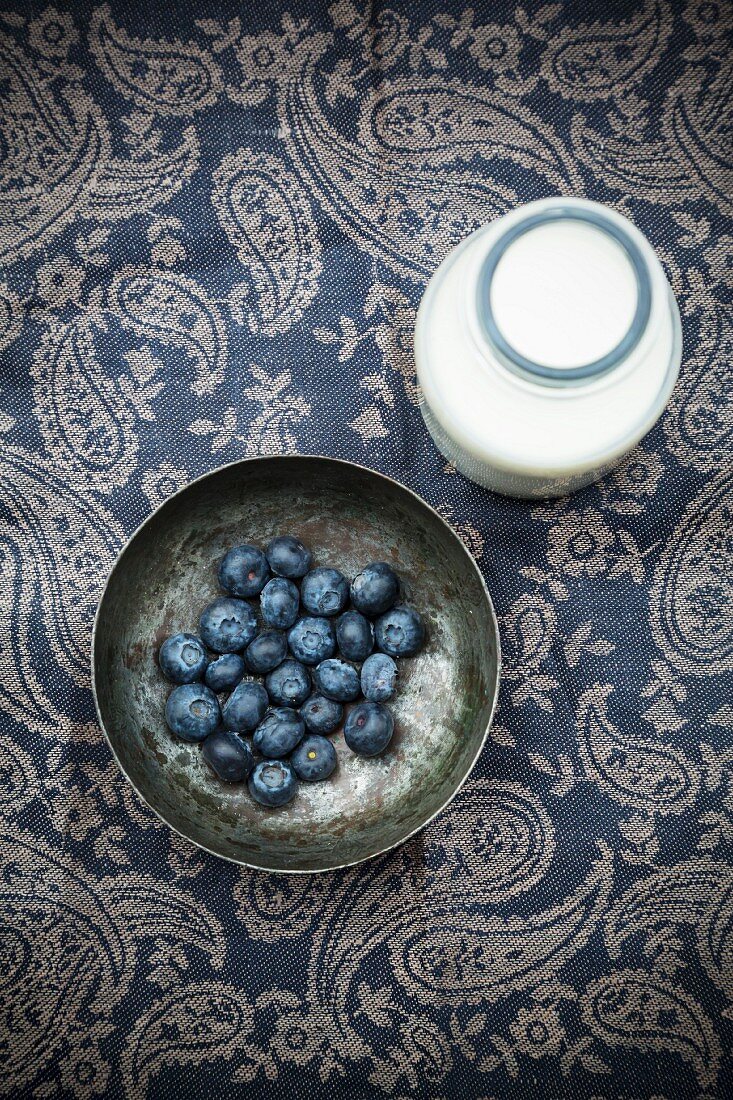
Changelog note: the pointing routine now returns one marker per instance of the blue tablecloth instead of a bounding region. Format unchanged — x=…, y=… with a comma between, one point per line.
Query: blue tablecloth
x=216, y=221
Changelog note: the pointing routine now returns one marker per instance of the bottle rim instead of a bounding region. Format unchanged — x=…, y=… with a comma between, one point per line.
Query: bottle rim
x=539, y=372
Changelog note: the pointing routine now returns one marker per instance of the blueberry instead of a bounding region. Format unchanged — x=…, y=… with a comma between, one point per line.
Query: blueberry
x=273, y=783
x=225, y=672
x=324, y=591
x=246, y=706
x=337, y=680
x=228, y=625
x=266, y=651
x=314, y=759
x=289, y=685
x=279, y=732
x=400, y=632
x=243, y=571
x=228, y=755
x=182, y=658
x=369, y=728
x=288, y=557
x=378, y=676
x=192, y=712
x=321, y=715
x=375, y=589
x=355, y=636
x=312, y=640
x=279, y=603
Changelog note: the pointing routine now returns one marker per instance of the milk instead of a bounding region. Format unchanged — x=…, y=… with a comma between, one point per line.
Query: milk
x=564, y=294
x=546, y=346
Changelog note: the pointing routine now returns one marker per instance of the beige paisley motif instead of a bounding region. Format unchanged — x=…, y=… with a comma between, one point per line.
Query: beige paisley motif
x=715, y=941
x=18, y=775
x=21, y=693
x=692, y=156
x=169, y=78
x=345, y=934
x=149, y=909
x=594, y=61
x=57, y=163
x=530, y=630
x=277, y=907
x=86, y=422
x=67, y=544
x=450, y=957
x=691, y=599
x=697, y=121
x=163, y=306
x=635, y=771
x=645, y=169
x=60, y=949
x=52, y=152
x=699, y=893
x=267, y=217
x=69, y=944
x=403, y=190
x=495, y=841
x=11, y=316
x=433, y=123
x=418, y=1056
x=204, y=1022
x=123, y=187
x=635, y=1011
x=698, y=421
x=440, y=952
x=393, y=325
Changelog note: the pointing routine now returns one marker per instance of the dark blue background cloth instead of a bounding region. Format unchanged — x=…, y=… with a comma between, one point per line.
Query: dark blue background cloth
x=216, y=223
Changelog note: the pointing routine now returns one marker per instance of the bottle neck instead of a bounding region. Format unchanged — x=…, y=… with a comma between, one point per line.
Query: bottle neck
x=540, y=239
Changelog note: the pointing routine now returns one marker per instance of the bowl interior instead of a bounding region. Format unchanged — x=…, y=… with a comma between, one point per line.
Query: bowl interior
x=348, y=516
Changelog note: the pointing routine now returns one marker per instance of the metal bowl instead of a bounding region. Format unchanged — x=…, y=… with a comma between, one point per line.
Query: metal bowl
x=348, y=515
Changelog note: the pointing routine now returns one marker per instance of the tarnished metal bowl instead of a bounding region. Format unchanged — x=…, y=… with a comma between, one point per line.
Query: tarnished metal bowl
x=349, y=516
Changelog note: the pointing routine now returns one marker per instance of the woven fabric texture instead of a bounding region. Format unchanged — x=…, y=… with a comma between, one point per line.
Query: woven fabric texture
x=216, y=222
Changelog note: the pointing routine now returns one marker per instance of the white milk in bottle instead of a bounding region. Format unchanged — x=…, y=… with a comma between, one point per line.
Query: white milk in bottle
x=547, y=344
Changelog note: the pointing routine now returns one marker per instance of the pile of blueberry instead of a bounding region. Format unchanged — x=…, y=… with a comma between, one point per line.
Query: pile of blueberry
x=305, y=682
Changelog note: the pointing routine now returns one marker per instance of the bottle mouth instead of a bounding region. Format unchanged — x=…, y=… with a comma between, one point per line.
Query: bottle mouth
x=558, y=373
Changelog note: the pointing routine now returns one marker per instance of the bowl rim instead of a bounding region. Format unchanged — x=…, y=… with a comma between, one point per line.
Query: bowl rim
x=492, y=613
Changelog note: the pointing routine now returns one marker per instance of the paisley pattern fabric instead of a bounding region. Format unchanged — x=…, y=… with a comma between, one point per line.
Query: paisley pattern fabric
x=216, y=222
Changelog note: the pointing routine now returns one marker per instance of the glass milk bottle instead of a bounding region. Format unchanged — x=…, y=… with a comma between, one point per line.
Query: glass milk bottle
x=547, y=344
